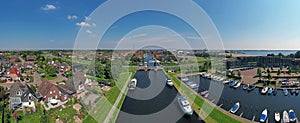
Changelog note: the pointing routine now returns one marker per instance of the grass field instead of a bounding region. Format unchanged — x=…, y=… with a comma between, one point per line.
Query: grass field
x=104, y=105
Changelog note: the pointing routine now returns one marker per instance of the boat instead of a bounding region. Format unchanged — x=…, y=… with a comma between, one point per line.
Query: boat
x=185, y=105
x=235, y=108
x=275, y=91
x=226, y=81
x=263, y=115
x=251, y=87
x=237, y=85
x=292, y=115
x=169, y=82
x=277, y=116
x=270, y=91
x=132, y=84
x=286, y=92
x=293, y=91
x=285, y=117
x=264, y=90
x=232, y=83
x=203, y=93
x=297, y=92
x=246, y=86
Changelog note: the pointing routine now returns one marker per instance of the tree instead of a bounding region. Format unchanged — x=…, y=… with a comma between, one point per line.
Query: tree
x=269, y=76
x=258, y=71
x=297, y=54
x=280, y=54
x=289, y=71
x=278, y=72
x=239, y=74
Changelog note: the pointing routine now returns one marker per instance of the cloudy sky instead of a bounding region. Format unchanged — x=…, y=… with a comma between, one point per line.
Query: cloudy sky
x=242, y=24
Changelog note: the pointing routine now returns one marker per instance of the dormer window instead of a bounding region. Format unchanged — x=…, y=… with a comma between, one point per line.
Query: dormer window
x=19, y=93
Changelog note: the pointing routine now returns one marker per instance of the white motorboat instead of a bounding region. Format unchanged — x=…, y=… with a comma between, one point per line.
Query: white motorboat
x=132, y=84
x=264, y=115
x=285, y=117
x=235, y=108
x=237, y=85
x=185, y=105
x=277, y=116
x=264, y=90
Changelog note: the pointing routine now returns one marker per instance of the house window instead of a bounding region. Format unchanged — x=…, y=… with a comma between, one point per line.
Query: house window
x=50, y=98
x=19, y=93
x=50, y=92
x=55, y=96
x=54, y=91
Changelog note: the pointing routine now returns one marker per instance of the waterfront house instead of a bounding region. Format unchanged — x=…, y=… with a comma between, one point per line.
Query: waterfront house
x=20, y=95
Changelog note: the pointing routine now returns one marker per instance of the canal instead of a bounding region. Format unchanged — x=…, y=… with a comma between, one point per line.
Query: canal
x=252, y=103
x=153, y=101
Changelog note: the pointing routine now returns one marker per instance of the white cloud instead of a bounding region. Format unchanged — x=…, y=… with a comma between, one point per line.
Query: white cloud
x=48, y=7
x=87, y=18
x=71, y=17
x=94, y=25
x=89, y=31
x=83, y=24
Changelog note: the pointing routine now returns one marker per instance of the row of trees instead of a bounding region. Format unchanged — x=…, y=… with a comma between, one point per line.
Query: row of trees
x=292, y=55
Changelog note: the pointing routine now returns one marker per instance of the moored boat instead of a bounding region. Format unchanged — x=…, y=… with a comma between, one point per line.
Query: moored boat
x=297, y=92
x=264, y=90
x=292, y=115
x=226, y=81
x=275, y=91
x=169, y=82
x=232, y=83
x=285, y=117
x=251, y=87
x=270, y=91
x=203, y=93
x=237, y=85
x=286, y=92
x=263, y=115
x=235, y=108
x=185, y=105
x=132, y=84
x=245, y=86
x=277, y=116
x=293, y=91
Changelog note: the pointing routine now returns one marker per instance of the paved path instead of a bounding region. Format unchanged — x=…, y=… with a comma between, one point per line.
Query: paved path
x=112, y=110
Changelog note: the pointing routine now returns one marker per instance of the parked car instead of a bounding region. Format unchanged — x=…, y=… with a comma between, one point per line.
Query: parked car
x=104, y=83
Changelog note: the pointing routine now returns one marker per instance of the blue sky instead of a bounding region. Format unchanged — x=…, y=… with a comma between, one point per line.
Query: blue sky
x=242, y=24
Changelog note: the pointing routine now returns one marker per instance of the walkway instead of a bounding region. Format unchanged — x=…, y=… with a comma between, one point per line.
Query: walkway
x=112, y=110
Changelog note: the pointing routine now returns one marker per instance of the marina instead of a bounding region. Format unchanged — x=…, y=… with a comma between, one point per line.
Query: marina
x=252, y=100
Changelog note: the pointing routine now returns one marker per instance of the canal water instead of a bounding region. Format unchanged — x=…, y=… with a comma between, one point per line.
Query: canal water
x=153, y=102
x=252, y=103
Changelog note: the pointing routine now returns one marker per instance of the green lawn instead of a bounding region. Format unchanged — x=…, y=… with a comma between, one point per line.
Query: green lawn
x=104, y=105
x=214, y=116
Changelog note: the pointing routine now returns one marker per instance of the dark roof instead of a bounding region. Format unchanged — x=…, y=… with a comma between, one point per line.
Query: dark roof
x=44, y=87
x=26, y=90
x=15, y=87
x=62, y=90
x=75, y=81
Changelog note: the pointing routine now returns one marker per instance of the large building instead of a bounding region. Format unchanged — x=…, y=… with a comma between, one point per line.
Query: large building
x=262, y=61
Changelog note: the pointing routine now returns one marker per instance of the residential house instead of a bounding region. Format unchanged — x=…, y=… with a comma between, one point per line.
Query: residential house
x=49, y=91
x=13, y=74
x=77, y=82
x=21, y=94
